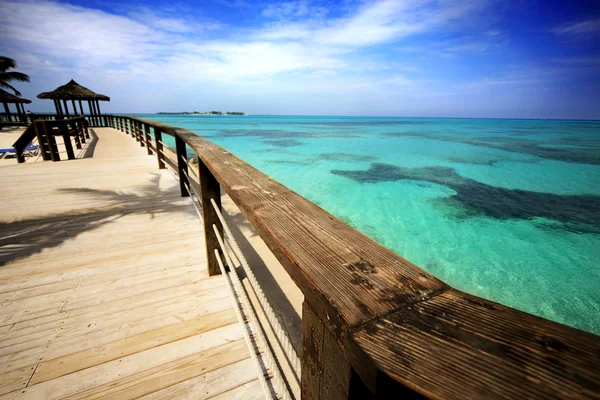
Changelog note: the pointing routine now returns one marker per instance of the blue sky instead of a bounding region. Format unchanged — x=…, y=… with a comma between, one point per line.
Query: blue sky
x=468, y=58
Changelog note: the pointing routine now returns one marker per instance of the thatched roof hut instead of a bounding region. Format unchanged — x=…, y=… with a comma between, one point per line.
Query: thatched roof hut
x=74, y=91
x=8, y=98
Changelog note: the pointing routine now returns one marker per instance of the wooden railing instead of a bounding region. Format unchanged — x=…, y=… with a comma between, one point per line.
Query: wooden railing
x=45, y=131
x=24, y=119
x=374, y=324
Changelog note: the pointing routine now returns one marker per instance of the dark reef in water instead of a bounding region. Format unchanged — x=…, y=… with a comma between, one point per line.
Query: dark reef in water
x=481, y=199
x=283, y=143
x=347, y=157
x=584, y=150
x=280, y=134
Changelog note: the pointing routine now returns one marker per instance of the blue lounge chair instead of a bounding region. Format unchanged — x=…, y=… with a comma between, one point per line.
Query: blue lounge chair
x=30, y=150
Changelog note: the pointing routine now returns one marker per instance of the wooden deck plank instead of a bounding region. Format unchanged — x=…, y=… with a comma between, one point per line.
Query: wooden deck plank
x=208, y=384
x=115, y=370
x=104, y=290
x=133, y=344
x=90, y=336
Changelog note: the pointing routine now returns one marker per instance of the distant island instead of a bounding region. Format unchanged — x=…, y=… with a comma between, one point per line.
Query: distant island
x=203, y=113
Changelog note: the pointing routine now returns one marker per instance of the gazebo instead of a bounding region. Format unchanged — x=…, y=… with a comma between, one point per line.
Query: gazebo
x=7, y=98
x=73, y=91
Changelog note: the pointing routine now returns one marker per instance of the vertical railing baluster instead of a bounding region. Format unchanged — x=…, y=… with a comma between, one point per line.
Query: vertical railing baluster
x=140, y=133
x=42, y=142
x=52, y=145
x=67, y=140
x=148, y=139
x=159, y=147
x=86, y=128
x=210, y=189
x=80, y=131
x=182, y=166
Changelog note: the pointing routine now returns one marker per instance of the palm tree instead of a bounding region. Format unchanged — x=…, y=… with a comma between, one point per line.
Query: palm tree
x=7, y=76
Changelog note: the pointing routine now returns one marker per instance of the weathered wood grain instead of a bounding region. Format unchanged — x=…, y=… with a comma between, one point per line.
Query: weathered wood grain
x=457, y=346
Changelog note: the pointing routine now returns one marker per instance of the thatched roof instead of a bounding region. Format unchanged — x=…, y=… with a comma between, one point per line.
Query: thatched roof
x=6, y=97
x=72, y=91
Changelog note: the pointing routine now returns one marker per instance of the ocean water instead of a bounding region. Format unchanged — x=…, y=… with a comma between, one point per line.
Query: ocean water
x=508, y=210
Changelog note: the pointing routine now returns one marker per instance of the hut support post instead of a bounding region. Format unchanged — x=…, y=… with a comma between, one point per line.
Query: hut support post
x=6, y=109
x=94, y=118
x=81, y=108
x=91, y=119
x=159, y=147
x=66, y=107
x=182, y=166
x=210, y=189
x=74, y=108
x=148, y=139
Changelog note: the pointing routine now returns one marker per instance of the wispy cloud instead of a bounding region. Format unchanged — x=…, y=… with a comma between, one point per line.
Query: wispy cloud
x=580, y=27
x=153, y=43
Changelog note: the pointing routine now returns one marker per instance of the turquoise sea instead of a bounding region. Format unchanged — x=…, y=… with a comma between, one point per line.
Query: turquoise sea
x=504, y=209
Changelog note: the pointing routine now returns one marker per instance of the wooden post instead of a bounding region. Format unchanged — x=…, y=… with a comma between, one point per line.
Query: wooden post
x=76, y=134
x=134, y=131
x=148, y=139
x=67, y=139
x=159, y=147
x=96, y=122
x=52, y=146
x=42, y=140
x=210, y=189
x=61, y=112
x=81, y=108
x=6, y=109
x=141, y=131
x=126, y=121
x=79, y=125
x=66, y=107
x=182, y=165
x=85, y=127
x=326, y=373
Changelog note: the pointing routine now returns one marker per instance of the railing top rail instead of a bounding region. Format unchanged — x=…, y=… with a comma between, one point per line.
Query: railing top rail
x=389, y=315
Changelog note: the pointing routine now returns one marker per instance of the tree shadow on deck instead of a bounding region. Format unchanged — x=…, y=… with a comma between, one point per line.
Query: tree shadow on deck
x=23, y=238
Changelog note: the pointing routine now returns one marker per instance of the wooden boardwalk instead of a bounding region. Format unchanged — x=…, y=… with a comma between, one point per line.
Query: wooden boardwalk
x=104, y=291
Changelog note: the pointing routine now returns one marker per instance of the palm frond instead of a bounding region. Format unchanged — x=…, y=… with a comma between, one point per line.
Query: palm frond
x=5, y=85
x=6, y=63
x=14, y=76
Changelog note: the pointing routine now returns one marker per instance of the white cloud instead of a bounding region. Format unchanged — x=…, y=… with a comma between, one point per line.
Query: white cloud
x=581, y=27
x=296, y=51
x=294, y=9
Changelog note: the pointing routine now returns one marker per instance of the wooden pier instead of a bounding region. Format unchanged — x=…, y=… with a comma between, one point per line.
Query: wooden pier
x=110, y=287
x=104, y=289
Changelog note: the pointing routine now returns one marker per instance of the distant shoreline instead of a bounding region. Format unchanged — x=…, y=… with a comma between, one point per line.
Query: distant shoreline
x=202, y=113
